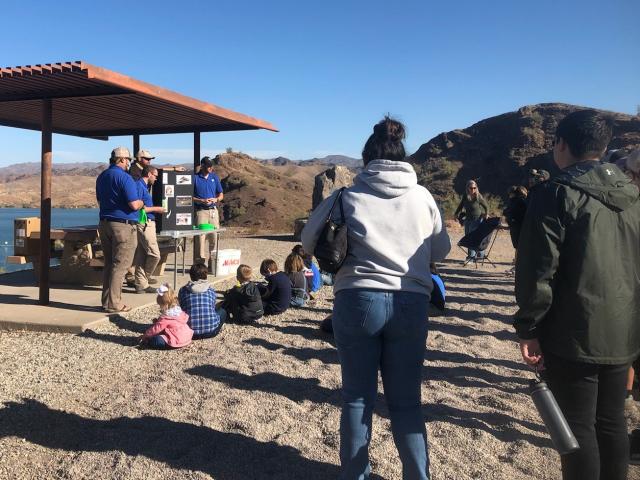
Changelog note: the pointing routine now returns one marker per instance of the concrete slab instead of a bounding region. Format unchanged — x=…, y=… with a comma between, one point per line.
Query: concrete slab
x=73, y=308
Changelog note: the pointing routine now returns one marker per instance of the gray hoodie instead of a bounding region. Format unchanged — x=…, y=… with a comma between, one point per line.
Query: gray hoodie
x=395, y=230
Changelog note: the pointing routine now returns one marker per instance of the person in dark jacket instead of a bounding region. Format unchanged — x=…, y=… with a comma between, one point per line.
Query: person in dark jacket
x=515, y=211
x=475, y=212
x=276, y=295
x=578, y=294
x=242, y=302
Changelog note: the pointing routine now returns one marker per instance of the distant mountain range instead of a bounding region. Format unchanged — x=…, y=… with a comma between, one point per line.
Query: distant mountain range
x=269, y=194
x=328, y=160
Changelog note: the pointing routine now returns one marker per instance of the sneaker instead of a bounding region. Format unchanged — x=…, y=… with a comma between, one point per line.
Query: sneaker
x=146, y=290
x=153, y=281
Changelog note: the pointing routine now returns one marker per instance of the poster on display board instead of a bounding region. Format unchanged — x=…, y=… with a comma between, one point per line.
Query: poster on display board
x=177, y=200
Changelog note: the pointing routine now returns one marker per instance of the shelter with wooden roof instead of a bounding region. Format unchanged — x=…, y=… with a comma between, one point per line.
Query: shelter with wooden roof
x=76, y=98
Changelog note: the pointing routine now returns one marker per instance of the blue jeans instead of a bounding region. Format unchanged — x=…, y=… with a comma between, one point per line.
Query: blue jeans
x=157, y=341
x=469, y=226
x=383, y=330
x=327, y=278
x=222, y=313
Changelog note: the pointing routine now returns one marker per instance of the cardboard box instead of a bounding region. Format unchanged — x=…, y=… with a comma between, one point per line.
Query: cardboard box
x=227, y=261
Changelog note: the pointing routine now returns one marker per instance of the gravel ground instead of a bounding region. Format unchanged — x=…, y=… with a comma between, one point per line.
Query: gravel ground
x=263, y=401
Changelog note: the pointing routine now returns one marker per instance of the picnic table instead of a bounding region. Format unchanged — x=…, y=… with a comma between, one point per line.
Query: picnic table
x=177, y=235
x=81, y=261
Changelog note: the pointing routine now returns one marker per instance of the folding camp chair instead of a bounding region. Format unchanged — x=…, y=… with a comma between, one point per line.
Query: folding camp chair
x=482, y=238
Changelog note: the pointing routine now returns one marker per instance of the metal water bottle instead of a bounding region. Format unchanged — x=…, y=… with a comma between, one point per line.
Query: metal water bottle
x=552, y=417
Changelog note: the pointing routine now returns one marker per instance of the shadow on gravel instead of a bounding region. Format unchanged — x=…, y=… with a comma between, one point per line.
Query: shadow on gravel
x=325, y=355
x=473, y=315
x=458, y=357
x=182, y=446
x=481, y=301
x=469, y=377
x=499, y=425
x=296, y=389
x=310, y=333
x=466, y=331
x=276, y=238
x=124, y=340
x=492, y=291
x=124, y=324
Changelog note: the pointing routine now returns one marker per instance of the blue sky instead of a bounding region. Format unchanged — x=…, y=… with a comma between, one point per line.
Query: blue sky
x=325, y=72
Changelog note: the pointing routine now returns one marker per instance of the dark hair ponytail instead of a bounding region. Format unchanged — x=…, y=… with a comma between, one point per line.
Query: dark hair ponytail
x=385, y=142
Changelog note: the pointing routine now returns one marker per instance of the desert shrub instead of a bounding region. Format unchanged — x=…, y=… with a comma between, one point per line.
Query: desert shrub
x=233, y=182
x=537, y=117
x=234, y=211
x=449, y=204
x=495, y=205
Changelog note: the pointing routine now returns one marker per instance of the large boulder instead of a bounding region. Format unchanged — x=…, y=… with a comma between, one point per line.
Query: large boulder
x=328, y=181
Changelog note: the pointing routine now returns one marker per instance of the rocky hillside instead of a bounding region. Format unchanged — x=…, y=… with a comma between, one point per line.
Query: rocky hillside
x=264, y=197
x=499, y=151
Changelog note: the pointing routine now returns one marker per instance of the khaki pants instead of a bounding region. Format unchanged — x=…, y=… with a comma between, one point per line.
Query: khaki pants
x=119, y=242
x=147, y=254
x=199, y=251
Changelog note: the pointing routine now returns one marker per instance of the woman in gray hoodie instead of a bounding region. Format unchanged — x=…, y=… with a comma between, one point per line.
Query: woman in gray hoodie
x=381, y=299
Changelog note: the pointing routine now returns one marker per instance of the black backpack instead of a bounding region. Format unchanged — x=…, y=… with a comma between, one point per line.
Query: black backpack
x=331, y=247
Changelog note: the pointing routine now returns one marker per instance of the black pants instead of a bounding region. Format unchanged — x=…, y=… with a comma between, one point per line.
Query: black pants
x=592, y=400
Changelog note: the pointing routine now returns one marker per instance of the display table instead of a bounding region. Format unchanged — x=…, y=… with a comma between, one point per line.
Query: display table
x=179, y=234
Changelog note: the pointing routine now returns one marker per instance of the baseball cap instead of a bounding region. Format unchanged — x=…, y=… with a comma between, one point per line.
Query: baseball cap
x=121, y=152
x=145, y=154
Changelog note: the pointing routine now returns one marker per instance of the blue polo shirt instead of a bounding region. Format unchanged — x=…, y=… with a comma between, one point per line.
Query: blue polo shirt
x=143, y=191
x=114, y=190
x=206, y=187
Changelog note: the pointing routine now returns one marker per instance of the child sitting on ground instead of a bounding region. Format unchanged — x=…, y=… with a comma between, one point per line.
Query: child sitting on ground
x=198, y=299
x=276, y=295
x=294, y=268
x=243, y=303
x=311, y=272
x=170, y=329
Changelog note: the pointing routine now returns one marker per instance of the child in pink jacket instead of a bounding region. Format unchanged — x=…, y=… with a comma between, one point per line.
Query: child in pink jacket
x=170, y=329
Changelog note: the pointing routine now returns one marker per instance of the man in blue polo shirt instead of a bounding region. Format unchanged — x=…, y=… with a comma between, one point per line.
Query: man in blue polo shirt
x=147, y=253
x=207, y=193
x=119, y=202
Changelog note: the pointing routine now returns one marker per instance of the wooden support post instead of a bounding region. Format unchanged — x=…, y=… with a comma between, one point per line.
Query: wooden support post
x=45, y=202
x=196, y=150
x=136, y=144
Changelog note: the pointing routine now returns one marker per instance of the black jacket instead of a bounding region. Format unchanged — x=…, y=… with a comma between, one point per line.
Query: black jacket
x=578, y=266
x=243, y=303
x=277, y=297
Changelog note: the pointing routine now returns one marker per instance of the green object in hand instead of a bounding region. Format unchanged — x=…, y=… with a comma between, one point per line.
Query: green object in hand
x=143, y=216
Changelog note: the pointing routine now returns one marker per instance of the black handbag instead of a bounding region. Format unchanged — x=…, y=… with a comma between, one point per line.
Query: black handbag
x=331, y=247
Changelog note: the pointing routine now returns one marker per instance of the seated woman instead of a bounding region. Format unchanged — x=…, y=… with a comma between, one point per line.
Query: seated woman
x=475, y=211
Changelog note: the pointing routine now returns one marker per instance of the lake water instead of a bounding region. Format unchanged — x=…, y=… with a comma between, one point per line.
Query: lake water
x=60, y=217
